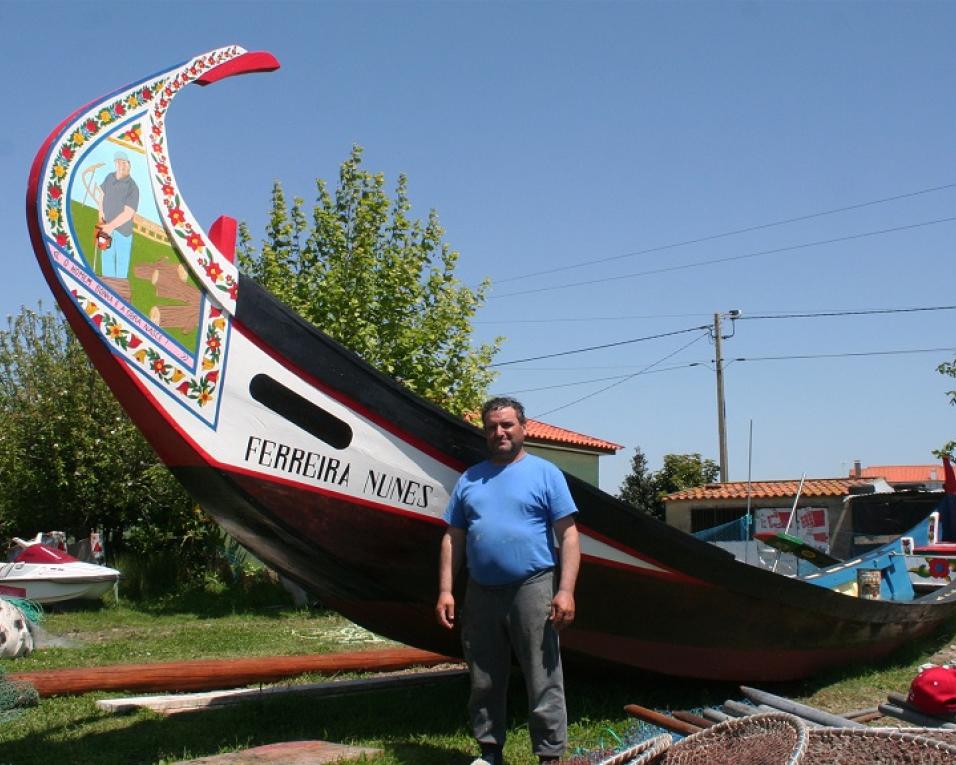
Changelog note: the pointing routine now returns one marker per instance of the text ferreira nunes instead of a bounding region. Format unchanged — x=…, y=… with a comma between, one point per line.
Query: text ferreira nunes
x=335, y=472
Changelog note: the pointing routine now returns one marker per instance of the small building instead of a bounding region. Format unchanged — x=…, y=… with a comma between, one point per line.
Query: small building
x=928, y=477
x=575, y=453
x=703, y=507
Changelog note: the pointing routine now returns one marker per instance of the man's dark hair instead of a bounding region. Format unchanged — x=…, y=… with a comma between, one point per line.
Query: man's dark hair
x=503, y=402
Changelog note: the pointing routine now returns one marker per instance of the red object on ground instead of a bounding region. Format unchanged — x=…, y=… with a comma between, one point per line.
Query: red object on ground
x=214, y=674
x=933, y=691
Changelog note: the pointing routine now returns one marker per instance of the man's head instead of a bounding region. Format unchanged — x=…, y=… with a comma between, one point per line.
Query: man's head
x=122, y=164
x=504, y=425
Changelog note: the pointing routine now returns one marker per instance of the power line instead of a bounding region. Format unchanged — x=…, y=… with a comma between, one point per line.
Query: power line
x=629, y=377
x=592, y=318
x=598, y=347
x=648, y=370
x=864, y=312
x=845, y=354
x=728, y=259
x=712, y=237
x=598, y=379
x=744, y=317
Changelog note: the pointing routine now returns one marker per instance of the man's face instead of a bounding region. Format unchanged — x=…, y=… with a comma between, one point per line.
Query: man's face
x=504, y=434
x=122, y=168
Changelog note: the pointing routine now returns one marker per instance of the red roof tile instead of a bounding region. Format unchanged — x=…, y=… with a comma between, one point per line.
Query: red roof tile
x=552, y=434
x=905, y=473
x=812, y=487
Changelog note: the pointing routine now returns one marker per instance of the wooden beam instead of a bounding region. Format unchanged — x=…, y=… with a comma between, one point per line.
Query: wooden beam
x=215, y=674
x=661, y=720
x=192, y=702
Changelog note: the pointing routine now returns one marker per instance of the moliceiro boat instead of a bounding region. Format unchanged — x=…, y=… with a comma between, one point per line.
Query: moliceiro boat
x=336, y=475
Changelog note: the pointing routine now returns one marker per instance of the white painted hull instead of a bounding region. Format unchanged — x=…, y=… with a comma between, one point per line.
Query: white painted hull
x=56, y=583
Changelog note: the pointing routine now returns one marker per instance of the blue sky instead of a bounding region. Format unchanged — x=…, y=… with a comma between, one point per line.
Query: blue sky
x=572, y=136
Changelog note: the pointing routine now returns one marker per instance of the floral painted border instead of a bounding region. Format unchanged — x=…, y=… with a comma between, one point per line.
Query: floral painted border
x=212, y=267
x=935, y=568
x=197, y=390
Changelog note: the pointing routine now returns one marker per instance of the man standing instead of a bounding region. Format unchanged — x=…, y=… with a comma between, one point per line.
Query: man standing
x=117, y=199
x=502, y=518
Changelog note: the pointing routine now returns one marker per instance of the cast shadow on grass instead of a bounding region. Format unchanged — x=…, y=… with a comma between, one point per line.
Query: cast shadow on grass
x=424, y=725
x=407, y=718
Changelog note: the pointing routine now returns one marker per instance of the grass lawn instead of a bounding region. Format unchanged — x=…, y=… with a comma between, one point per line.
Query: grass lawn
x=423, y=725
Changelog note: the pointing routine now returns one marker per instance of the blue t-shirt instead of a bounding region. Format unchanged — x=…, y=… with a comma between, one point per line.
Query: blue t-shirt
x=507, y=512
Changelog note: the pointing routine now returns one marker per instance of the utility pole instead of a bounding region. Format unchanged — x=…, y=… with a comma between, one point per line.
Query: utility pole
x=721, y=411
x=721, y=408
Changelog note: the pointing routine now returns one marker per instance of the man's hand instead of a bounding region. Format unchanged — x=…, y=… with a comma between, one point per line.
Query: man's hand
x=562, y=609
x=445, y=610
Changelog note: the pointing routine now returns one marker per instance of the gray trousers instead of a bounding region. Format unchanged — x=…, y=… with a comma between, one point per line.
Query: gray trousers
x=495, y=621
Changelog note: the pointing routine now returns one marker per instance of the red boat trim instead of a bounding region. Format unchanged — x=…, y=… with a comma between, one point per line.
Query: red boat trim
x=344, y=399
x=662, y=573
x=670, y=572
x=13, y=592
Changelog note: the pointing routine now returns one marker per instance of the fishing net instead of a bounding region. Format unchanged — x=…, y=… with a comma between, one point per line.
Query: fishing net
x=15, y=697
x=18, y=621
x=764, y=739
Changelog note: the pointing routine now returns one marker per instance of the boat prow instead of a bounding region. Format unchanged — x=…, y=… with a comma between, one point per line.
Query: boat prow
x=336, y=475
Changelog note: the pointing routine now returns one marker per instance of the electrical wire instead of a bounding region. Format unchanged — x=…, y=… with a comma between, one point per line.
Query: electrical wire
x=865, y=312
x=625, y=379
x=596, y=379
x=727, y=259
x=845, y=354
x=599, y=347
x=748, y=229
x=743, y=317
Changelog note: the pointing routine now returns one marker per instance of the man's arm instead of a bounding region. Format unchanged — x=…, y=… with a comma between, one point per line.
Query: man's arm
x=562, y=605
x=126, y=215
x=452, y=555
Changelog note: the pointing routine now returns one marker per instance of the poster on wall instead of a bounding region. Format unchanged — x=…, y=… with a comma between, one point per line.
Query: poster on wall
x=810, y=524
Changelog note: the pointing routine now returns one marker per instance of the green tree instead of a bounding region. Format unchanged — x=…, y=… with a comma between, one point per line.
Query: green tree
x=367, y=274
x=70, y=458
x=646, y=491
x=638, y=488
x=682, y=471
x=948, y=368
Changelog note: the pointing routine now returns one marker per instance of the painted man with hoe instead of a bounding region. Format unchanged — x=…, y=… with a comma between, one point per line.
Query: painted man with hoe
x=503, y=517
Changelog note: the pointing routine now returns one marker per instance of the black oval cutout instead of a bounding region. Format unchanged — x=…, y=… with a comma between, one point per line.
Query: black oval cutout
x=300, y=411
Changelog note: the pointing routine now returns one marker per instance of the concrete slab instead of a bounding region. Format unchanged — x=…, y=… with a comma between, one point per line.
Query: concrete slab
x=288, y=753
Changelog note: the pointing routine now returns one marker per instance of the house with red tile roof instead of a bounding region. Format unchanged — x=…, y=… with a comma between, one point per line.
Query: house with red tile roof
x=928, y=477
x=573, y=452
x=702, y=507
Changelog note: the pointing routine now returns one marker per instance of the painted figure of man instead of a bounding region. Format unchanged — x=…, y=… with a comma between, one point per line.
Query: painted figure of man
x=117, y=201
x=503, y=518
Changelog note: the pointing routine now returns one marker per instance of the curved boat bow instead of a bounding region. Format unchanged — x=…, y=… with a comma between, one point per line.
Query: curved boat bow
x=337, y=476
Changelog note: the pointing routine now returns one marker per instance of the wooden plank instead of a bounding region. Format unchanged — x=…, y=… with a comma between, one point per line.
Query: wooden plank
x=288, y=753
x=812, y=714
x=661, y=720
x=901, y=700
x=855, y=714
x=690, y=717
x=216, y=674
x=910, y=716
x=716, y=715
x=192, y=702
